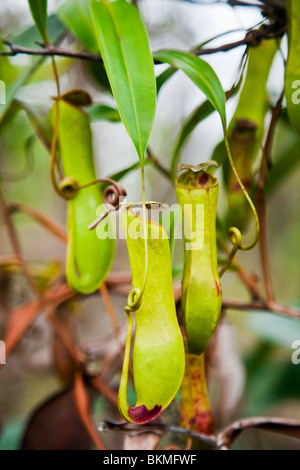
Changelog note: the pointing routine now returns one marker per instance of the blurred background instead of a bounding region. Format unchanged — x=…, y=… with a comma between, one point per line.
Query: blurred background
x=252, y=372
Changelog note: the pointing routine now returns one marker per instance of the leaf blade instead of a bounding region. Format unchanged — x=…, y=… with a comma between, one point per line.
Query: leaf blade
x=129, y=66
x=201, y=73
x=76, y=15
x=100, y=112
x=38, y=10
x=204, y=110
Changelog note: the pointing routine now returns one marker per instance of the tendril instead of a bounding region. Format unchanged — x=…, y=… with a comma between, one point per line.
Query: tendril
x=234, y=233
x=135, y=296
x=235, y=238
x=69, y=188
x=134, y=300
x=55, y=132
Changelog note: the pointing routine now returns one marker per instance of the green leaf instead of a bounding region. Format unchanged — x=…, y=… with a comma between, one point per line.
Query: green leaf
x=9, y=115
x=201, y=73
x=30, y=35
x=38, y=10
x=163, y=77
x=98, y=74
x=125, y=49
x=38, y=115
x=200, y=113
x=76, y=15
x=13, y=88
x=122, y=173
x=102, y=112
x=20, y=81
x=219, y=154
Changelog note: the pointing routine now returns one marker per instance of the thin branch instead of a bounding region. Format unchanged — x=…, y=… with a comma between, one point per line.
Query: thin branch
x=232, y=3
x=252, y=38
x=249, y=280
x=49, y=50
x=83, y=406
x=153, y=159
x=78, y=356
x=158, y=428
x=266, y=164
x=21, y=319
x=272, y=307
x=223, y=440
x=111, y=313
x=288, y=427
x=15, y=243
x=40, y=217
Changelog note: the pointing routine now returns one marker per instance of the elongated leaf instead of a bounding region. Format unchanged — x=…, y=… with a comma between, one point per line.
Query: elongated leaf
x=102, y=112
x=98, y=74
x=164, y=77
x=122, y=173
x=20, y=81
x=30, y=35
x=219, y=154
x=200, y=113
x=76, y=15
x=169, y=72
x=38, y=10
x=38, y=115
x=10, y=113
x=125, y=49
x=201, y=73
x=28, y=166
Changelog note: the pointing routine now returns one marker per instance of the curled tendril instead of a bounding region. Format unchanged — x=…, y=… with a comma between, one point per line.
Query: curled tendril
x=111, y=198
x=134, y=300
x=113, y=193
x=234, y=233
x=69, y=188
x=235, y=238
